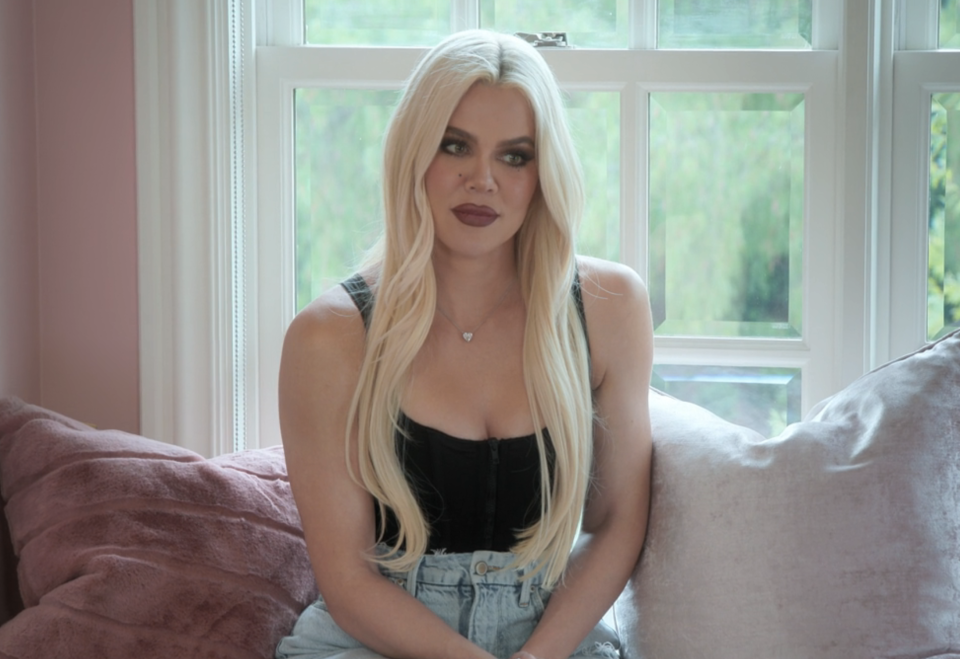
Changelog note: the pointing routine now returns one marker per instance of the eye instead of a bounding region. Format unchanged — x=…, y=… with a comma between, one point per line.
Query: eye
x=517, y=158
x=453, y=146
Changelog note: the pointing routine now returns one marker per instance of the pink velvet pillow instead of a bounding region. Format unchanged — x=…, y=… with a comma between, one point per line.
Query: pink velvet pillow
x=129, y=547
x=837, y=539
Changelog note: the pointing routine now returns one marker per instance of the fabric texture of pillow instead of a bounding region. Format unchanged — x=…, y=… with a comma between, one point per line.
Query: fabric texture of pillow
x=837, y=539
x=130, y=547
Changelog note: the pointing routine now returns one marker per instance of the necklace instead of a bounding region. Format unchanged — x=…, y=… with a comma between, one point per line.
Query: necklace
x=468, y=336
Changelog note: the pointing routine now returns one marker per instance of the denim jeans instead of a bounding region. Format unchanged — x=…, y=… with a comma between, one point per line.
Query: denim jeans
x=475, y=594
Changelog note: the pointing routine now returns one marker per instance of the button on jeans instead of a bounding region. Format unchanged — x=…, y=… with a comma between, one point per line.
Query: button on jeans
x=475, y=594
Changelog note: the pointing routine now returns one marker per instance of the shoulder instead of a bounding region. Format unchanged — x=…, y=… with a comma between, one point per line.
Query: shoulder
x=610, y=288
x=323, y=348
x=617, y=309
x=331, y=320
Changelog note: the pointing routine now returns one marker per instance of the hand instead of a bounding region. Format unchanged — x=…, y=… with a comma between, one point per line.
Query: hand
x=523, y=655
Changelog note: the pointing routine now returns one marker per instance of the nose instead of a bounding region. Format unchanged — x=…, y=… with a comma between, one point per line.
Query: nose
x=481, y=178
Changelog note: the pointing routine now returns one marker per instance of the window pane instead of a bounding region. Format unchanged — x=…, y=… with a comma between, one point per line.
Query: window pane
x=338, y=137
x=782, y=24
x=595, y=123
x=726, y=214
x=950, y=24
x=943, y=282
x=765, y=399
x=376, y=22
x=594, y=24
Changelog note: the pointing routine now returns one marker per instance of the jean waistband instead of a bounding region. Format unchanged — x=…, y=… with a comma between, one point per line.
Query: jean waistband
x=467, y=569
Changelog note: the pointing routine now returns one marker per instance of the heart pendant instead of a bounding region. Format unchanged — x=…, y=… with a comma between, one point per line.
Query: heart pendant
x=468, y=336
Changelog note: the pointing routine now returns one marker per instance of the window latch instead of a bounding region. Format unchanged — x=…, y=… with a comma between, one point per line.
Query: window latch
x=545, y=39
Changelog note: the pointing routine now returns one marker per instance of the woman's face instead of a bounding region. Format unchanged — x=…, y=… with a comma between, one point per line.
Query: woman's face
x=485, y=173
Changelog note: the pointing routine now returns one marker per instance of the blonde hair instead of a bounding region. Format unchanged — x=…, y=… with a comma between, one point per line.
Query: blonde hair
x=555, y=356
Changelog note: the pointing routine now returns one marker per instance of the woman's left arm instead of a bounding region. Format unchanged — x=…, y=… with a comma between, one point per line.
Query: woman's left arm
x=615, y=516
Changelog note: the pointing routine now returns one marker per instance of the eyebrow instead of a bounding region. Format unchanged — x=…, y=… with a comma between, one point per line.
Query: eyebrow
x=516, y=141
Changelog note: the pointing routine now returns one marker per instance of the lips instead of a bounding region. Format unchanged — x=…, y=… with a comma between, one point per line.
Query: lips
x=475, y=216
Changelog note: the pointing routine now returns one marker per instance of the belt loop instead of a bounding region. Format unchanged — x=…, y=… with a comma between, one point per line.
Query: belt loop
x=412, y=577
x=525, y=586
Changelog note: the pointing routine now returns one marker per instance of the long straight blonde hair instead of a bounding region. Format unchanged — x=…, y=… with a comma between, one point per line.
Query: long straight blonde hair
x=555, y=354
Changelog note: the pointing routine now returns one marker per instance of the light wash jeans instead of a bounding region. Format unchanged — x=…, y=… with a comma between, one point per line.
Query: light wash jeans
x=473, y=593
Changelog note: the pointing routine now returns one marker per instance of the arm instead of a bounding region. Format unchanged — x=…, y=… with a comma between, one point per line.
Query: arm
x=615, y=516
x=319, y=368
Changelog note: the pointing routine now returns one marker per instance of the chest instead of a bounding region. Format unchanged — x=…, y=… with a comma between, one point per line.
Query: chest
x=474, y=390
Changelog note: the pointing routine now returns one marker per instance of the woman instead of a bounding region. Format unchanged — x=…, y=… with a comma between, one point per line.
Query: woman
x=473, y=405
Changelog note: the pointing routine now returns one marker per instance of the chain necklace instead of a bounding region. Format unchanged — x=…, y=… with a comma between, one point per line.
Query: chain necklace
x=468, y=336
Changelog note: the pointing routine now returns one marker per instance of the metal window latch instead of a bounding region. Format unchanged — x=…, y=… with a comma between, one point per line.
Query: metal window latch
x=545, y=39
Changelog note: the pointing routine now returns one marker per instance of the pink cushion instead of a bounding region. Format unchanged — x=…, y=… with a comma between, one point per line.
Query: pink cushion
x=129, y=547
x=837, y=539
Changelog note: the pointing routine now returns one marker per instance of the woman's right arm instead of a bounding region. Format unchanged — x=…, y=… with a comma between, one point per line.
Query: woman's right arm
x=319, y=368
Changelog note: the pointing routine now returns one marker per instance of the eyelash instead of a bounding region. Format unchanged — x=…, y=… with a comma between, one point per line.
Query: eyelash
x=522, y=157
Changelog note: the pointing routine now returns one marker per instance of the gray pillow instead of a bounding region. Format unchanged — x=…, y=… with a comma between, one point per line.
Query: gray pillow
x=839, y=538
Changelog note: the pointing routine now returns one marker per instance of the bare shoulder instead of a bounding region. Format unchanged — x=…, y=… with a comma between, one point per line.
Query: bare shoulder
x=610, y=290
x=319, y=367
x=617, y=307
x=330, y=323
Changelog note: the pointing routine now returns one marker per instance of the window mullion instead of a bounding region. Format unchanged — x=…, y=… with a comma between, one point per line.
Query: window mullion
x=633, y=189
x=464, y=15
x=827, y=24
x=917, y=24
x=642, y=15
x=279, y=23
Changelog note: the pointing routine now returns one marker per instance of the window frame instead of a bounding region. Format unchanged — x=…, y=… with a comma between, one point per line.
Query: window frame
x=635, y=74
x=188, y=203
x=919, y=71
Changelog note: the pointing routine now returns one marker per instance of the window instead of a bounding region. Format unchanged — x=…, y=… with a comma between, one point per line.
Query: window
x=708, y=145
x=926, y=174
x=755, y=165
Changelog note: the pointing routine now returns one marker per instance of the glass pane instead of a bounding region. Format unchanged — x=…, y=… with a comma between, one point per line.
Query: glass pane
x=765, y=399
x=726, y=214
x=593, y=24
x=943, y=281
x=338, y=136
x=376, y=22
x=784, y=24
x=595, y=123
x=949, y=24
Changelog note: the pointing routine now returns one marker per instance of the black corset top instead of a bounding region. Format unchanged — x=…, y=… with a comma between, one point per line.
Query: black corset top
x=474, y=494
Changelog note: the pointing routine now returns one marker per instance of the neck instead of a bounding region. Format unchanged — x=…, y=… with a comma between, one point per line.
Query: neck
x=469, y=288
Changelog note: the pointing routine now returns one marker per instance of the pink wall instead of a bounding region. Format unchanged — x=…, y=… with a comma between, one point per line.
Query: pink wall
x=19, y=273
x=85, y=221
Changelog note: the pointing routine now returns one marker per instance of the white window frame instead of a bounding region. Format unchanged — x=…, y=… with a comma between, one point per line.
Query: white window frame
x=188, y=201
x=634, y=73
x=919, y=71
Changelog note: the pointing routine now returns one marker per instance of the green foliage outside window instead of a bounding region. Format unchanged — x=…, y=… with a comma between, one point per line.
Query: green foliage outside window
x=588, y=23
x=943, y=284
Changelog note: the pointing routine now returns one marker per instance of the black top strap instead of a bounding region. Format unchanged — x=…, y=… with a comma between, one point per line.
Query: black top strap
x=578, y=300
x=362, y=296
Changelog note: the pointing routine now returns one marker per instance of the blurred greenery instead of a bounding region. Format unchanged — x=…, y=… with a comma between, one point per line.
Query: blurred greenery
x=726, y=213
x=338, y=137
x=376, y=22
x=595, y=124
x=764, y=24
x=950, y=24
x=943, y=282
x=588, y=23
